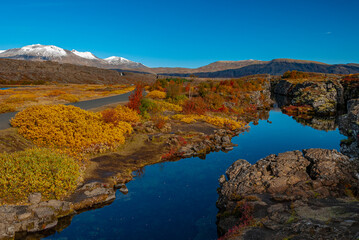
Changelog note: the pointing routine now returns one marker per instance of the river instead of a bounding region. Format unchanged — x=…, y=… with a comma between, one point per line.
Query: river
x=177, y=200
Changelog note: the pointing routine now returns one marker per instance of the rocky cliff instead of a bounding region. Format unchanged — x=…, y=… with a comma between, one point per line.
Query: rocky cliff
x=301, y=195
x=324, y=97
x=349, y=126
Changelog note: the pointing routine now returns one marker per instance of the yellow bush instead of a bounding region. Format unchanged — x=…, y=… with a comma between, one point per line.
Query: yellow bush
x=17, y=98
x=223, y=122
x=42, y=170
x=120, y=114
x=69, y=98
x=6, y=92
x=216, y=120
x=69, y=127
x=55, y=93
x=120, y=91
x=6, y=107
x=166, y=106
x=127, y=114
x=156, y=94
x=186, y=118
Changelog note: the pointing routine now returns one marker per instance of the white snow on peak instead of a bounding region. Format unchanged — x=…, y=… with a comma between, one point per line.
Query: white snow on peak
x=87, y=55
x=1, y=51
x=42, y=50
x=116, y=60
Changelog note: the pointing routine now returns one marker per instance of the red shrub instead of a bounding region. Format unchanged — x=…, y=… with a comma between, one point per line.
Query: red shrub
x=135, y=98
x=195, y=106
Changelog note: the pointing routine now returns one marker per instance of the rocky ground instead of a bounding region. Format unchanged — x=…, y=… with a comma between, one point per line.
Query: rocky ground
x=293, y=195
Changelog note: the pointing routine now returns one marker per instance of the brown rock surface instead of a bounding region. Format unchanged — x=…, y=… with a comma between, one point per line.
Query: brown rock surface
x=291, y=194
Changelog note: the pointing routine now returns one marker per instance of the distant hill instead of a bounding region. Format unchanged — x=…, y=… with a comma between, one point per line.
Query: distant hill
x=35, y=71
x=275, y=67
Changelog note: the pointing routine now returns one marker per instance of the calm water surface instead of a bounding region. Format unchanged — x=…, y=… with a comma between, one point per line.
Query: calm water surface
x=177, y=200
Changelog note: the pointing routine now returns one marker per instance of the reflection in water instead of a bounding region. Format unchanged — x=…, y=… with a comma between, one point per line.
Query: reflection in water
x=320, y=123
x=177, y=200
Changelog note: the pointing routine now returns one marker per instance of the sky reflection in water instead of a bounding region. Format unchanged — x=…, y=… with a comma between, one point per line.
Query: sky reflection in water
x=177, y=200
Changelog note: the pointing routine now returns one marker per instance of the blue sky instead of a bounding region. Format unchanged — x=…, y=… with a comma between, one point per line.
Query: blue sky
x=188, y=33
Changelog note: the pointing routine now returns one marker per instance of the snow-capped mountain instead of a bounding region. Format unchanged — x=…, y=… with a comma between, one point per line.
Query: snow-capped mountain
x=87, y=55
x=116, y=60
x=38, y=52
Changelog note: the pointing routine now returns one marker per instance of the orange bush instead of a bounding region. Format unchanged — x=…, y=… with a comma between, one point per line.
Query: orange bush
x=195, y=106
x=120, y=114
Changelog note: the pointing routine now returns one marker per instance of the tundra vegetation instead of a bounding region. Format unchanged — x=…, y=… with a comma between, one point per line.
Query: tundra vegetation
x=71, y=135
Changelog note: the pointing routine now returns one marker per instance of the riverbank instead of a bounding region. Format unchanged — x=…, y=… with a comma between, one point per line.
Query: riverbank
x=313, y=194
x=108, y=172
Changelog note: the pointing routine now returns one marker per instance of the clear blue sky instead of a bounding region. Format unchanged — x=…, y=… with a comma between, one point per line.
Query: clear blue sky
x=188, y=33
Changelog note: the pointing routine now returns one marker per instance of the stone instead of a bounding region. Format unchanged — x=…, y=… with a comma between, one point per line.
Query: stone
x=35, y=198
x=44, y=212
x=222, y=179
x=24, y=216
x=124, y=190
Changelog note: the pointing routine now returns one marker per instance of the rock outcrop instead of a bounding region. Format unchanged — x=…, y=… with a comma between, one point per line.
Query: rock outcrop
x=295, y=194
x=37, y=215
x=349, y=126
x=324, y=97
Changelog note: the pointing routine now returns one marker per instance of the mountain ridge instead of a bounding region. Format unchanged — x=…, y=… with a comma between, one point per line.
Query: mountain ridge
x=218, y=69
x=39, y=52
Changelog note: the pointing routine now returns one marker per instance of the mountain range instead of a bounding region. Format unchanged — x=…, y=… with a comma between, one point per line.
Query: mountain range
x=38, y=52
x=219, y=69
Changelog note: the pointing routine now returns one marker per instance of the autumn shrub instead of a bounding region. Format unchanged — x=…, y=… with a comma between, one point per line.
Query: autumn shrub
x=120, y=114
x=69, y=127
x=23, y=97
x=135, y=98
x=120, y=91
x=224, y=122
x=295, y=74
x=214, y=101
x=167, y=106
x=190, y=118
x=69, y=98
x=156, y=94
x=159, y=121
x=203, y=89
x=42, y=170
x=214, y=120
x=195, y=106
x=7, y=92
x=6, y=107
x=55, y=93
x=148, y=106
x=174, y=89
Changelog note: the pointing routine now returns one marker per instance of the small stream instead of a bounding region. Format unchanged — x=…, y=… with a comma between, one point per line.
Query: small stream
x=177, y=200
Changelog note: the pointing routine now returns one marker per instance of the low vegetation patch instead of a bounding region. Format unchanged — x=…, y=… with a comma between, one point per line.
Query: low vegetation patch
x=47, y=171
x=69, y=127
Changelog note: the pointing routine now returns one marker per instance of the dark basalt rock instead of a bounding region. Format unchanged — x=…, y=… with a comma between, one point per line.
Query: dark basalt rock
x=296, y=194
x=349, y=126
